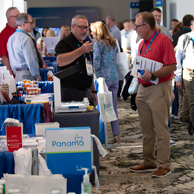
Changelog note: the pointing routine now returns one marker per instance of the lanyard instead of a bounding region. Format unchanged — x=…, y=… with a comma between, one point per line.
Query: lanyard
x=148, y=45
x=192, y=41
x=84, y=53
x=21, y=31
x=187, y=29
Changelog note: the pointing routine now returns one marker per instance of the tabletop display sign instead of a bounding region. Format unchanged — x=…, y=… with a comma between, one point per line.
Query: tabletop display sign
x=14, y=138
x=68, y=149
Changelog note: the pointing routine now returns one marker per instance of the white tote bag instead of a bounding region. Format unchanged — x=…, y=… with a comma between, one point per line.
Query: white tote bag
x=121, y=63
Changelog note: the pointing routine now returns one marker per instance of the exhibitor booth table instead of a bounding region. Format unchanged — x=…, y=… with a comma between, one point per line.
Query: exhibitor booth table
x=82, y=119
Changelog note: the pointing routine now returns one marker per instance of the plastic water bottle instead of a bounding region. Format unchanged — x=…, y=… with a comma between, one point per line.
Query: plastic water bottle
x=141, y=71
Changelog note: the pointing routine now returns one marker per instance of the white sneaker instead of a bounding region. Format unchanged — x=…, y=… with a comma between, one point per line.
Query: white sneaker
x=172, y=143
x=176, y=117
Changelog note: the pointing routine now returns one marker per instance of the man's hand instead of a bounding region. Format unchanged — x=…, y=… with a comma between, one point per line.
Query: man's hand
x=179, y=85
x=38, y=78
x=87, y=47
x=146, y=77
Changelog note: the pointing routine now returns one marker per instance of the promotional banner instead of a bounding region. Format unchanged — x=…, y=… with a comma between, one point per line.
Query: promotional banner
x=159, y=4
x=55, y=17
x=134, y=9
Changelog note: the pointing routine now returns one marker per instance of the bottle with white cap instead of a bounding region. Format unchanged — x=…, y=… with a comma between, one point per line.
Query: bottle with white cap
x=2, y=182
x=86, y=186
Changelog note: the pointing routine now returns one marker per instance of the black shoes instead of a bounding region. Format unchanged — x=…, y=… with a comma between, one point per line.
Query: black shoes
x=190, y=128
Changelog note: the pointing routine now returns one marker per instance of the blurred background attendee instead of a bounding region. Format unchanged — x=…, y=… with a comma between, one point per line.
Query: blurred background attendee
x=113, y=29
x=49, y=33
x=65, y=31
x=10, y=28
x=174, y=22
x=124, y=33
x=120, y=25
x=35, y=34
x=104, y=56
x=158, y=17
x=178, y=27
x=39, y=42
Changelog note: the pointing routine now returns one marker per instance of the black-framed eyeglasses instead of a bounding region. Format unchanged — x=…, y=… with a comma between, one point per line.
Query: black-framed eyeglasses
x=137, y=26
x=82, y=27
x=29, y=22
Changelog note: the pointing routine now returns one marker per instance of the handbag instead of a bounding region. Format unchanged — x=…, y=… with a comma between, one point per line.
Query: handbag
x=121, y=63
x=133, y=86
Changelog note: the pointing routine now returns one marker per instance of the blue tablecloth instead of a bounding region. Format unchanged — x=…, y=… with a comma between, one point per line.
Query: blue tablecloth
x=6, y=163
x=46, y=86
x=28, y=114
x=43, y=73
x=50, y=59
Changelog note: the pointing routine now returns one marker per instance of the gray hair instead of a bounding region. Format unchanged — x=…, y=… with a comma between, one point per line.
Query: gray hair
x=75, y=18
x=111, y=17
x=23, y=17
x=9, y=10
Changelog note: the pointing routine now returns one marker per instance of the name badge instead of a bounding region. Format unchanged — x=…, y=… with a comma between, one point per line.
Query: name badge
x=89, y=68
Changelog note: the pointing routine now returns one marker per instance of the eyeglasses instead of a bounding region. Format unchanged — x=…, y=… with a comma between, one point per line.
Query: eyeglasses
x=137, y=26
x=28, y=22
x=82, y=27
x=14, y=16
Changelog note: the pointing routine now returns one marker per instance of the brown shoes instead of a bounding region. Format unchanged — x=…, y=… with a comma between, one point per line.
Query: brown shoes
x=161, y=172
x=143, y=168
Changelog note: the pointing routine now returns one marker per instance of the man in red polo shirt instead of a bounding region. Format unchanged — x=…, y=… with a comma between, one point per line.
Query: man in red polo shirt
x=153, y=101
x=10, y=28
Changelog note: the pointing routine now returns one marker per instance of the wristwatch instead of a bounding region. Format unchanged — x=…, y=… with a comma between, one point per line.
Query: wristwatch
x=94, y=92
x=153, y=77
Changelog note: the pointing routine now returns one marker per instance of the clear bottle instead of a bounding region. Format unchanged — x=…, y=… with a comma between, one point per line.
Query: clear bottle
x=2, y=182
x=1, y=189
x=86, y=186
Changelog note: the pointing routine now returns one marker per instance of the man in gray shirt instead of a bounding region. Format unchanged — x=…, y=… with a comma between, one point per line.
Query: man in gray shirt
x=22, y=54
x=157, y=15
x=114, y=30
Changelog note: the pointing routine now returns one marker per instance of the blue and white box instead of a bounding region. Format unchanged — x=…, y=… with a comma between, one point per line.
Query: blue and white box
x=67, y=150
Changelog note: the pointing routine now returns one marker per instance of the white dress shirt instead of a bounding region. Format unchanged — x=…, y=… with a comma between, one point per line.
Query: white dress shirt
x=188, y=61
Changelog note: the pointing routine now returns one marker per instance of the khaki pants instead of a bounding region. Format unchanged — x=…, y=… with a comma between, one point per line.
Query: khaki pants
x=153, y=105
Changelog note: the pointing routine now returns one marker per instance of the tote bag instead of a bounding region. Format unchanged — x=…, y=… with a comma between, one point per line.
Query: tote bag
x=121, y=63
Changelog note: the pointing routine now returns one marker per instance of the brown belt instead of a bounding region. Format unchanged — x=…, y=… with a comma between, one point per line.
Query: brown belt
x=147, y=85
x=189, y=69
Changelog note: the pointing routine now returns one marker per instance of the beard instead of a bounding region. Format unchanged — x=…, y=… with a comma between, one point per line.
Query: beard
x=83, y=36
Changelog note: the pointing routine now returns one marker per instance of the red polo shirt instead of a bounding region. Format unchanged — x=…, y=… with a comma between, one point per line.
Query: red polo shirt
x=4, y=36
x=161, y=50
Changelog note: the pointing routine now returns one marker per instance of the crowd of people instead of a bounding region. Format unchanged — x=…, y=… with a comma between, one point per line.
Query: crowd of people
x=90, y=50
